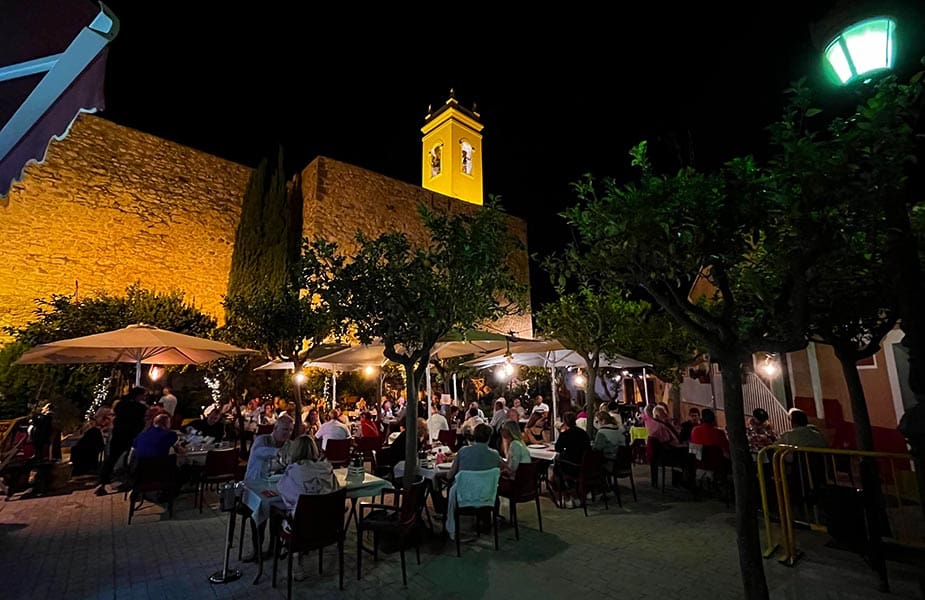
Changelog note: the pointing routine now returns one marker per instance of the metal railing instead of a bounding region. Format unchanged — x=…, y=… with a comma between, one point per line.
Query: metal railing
x=799, y=475
x=756, y=394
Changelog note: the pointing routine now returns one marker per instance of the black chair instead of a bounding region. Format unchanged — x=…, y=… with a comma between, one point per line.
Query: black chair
x=338, y=452
x=589, y=478
x=525, y=487
x=221, y=466
x=449, y=438
x=318, y=522
x=154, y=474
x=623, y=467
x=403, y=522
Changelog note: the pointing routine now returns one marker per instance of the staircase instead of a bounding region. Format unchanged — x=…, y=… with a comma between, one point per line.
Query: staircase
x=757, y=395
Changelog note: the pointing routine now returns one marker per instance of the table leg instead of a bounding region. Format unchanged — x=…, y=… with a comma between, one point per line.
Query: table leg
x=258, y=548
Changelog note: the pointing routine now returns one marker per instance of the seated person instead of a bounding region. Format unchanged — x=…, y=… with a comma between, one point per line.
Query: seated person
x=212, y=426
x=436, y=423
x=396, y=451
x=368, y=427
x=333, y=429
x=802, y=433
x=707, y=434
x=308, y=473
x=474, y=420
x=476, y=457
x=156, y=441
x=687, y=426
x=499, y=417
x=515, y=454
x=608, y=439
x=571, y=446
x=266, y=456
x=760, y=432
x=518, y=407
x=534, y=430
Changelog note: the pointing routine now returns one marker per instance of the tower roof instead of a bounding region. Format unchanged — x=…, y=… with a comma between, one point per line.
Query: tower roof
x=452, y=103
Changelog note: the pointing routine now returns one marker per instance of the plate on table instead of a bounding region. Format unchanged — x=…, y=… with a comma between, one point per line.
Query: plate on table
x=445, y=466
x=537, y=446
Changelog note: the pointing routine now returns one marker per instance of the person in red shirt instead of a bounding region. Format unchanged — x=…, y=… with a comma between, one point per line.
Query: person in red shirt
x=368, y=427
x=707, y=434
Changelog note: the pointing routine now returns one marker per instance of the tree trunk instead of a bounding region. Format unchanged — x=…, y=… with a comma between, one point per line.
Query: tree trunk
x=411, y=423
x=297, y=386
x=874, y=502
x=591, y=399
x=743, y=474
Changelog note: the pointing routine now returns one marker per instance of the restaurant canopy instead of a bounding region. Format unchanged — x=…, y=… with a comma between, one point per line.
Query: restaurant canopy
x=52, y=67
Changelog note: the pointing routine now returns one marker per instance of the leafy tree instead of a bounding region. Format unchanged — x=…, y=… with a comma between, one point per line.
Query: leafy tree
x=666, y=232
x=409, y=297
x=63, y=317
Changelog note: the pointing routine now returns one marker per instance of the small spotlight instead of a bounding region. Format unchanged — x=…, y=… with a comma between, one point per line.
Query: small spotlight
x=300, y=378
x=580, y=380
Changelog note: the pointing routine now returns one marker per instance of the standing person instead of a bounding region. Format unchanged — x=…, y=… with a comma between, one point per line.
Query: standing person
x=128, y=422
x=168, y=401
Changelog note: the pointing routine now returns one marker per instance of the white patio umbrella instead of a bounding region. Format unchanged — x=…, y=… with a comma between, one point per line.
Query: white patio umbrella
x=139, y=344
x=549, y=354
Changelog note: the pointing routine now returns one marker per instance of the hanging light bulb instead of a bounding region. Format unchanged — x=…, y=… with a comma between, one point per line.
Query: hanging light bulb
x=770, y=367
x=580, y=380
x=300, y=378
x=155, y=372
x=369, y=371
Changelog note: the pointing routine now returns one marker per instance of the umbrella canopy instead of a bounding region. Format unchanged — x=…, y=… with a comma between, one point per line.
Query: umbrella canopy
x=549, y=353
x=279, y=364
x=139, y=344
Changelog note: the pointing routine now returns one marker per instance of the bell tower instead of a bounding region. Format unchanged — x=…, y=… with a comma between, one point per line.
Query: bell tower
x=451, y=151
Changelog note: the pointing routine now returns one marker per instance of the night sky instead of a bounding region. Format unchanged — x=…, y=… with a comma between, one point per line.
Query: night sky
x=560, y=94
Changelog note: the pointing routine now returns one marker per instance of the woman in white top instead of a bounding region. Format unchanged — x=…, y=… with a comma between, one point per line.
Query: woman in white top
x=307, y=473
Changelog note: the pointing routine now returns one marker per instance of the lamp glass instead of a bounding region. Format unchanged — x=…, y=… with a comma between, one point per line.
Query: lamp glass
x=862, y=49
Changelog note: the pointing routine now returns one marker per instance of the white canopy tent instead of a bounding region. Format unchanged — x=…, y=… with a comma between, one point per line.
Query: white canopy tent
x=550, y=354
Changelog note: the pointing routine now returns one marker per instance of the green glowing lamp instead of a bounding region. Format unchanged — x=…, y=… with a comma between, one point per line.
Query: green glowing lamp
x=862, y=50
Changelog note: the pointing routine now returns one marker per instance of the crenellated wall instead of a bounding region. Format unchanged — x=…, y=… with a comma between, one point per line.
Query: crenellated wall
x=111, y=206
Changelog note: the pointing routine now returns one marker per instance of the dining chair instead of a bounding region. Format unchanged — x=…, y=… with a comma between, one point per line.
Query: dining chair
x=449, y=437
x=221, y=466
x=623, y=467
x=153, y=474
x=589, y=478
x=525, y=487
x=403, y=522
x=318, y=522
x=475, y=493
x=338, y=452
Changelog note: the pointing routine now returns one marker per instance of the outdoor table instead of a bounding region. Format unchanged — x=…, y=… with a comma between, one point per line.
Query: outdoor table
x=263, y=500
x=548, y=452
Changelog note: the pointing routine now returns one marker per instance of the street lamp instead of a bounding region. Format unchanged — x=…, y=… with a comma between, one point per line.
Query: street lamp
x=862, y=49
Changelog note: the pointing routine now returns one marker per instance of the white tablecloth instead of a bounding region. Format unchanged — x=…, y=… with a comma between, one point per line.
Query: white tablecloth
x=548, y=452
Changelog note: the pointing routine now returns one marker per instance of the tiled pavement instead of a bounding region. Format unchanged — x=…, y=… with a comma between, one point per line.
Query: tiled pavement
x=77, y=545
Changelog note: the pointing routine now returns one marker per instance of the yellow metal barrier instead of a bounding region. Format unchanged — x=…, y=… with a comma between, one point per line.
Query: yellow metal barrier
x=784, y=458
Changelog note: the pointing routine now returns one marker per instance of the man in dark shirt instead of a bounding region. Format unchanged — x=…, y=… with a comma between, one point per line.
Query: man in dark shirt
x=571, y=446
x=156, y=441
x=687, y=426
x=128, y=421
x=213, y=425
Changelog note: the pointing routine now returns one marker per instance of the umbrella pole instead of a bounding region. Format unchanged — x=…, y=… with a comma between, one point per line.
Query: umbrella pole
x=333, y=389
x=555, y=402
x=645, y=388
x=430, y=404
x=455, y=399
x=138, y=373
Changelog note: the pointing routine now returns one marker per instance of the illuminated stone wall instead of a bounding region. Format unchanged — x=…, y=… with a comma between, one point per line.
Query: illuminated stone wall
x=341, y=199
x=111, y=206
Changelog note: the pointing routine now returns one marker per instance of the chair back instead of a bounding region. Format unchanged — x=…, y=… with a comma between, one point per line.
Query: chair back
x=368, y=445
x=413, y=498
x=711, y=458
x=448, y=437
x=592, y=466
x=338, y=451
x=221, y=463
x=264, y=429
x=623, y=464
x=526, y=486
x=476, y=488
x=319, y=520
x=155, y=473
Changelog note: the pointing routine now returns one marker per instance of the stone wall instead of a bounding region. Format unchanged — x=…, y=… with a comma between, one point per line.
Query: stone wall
x=341, y=199
x=111, y=206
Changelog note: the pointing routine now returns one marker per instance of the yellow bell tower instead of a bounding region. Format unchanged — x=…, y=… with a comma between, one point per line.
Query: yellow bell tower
x=451, y=152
